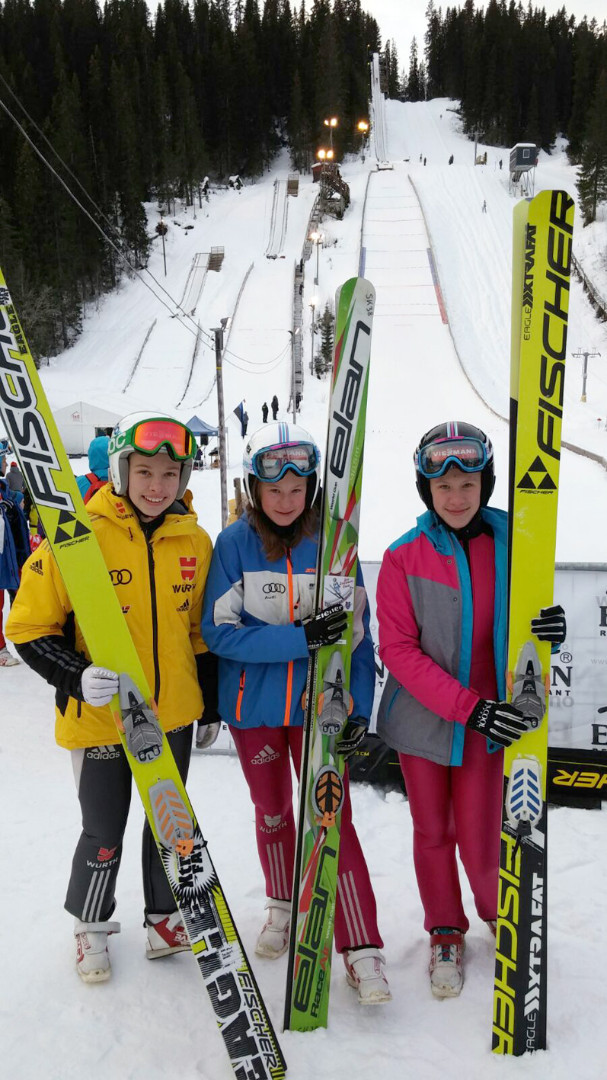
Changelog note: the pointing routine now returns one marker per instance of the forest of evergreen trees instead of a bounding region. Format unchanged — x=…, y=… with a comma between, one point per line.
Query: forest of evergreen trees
x=141, y=108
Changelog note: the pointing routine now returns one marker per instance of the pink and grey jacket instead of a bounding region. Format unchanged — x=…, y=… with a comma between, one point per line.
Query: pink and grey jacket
x=425, y=609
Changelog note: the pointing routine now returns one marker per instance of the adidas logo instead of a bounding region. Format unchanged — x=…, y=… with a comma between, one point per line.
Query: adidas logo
x=185, y=606
x=265, y=755
x=103, y=753
x=36, y=566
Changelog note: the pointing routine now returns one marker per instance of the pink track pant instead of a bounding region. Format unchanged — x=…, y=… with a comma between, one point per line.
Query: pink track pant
x=264, y=756
x=456, y=806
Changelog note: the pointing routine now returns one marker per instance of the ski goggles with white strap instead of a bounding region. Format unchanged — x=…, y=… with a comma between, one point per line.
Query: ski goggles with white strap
x=272, y=462
x=468, y=454
x=150, y=436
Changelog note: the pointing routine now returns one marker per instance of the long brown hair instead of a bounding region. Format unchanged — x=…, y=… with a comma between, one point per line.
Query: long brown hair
x=275, y=543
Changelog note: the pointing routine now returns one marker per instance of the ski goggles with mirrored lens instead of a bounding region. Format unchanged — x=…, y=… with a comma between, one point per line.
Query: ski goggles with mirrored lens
x=272, y=462
x=467, y=453
x=150, y=436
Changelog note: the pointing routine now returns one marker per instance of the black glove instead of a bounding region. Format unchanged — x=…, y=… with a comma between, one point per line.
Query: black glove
x=550, y=625
x=351, y=737
x=498, y=721
x=325, y=628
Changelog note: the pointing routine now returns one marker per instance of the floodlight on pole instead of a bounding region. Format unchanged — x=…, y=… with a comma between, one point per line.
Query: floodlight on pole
x=316, y=238
x=331, y=123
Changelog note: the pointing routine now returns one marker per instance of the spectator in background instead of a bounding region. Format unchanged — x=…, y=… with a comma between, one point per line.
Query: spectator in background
x=14, y=477
x=264, y=412
x=90, y=482
x=14, y=545
x=274, y=406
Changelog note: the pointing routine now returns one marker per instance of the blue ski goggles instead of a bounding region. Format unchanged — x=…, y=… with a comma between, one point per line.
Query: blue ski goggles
x=468, y=454
x=273, y=462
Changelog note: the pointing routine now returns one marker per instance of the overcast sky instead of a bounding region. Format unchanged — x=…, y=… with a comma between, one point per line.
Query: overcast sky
x=401, y=20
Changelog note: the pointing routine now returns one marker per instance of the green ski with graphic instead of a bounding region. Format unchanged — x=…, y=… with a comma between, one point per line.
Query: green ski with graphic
x=321, y=789
x=239, y=1010
x=543, y=231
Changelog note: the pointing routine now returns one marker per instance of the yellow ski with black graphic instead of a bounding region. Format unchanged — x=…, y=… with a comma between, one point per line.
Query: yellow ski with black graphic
x=239, y=1009
x=543, y=231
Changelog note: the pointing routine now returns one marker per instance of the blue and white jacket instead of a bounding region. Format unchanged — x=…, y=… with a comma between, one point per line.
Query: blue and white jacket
x=250, y=608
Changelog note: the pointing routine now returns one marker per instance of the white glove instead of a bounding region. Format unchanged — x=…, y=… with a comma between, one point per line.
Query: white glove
x=98, y=685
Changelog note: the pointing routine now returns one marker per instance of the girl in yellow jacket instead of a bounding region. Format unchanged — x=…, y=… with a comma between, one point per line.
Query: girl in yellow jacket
x=158, y=558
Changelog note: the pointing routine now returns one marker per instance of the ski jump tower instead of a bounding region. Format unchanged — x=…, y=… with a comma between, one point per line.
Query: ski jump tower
x=523, y=159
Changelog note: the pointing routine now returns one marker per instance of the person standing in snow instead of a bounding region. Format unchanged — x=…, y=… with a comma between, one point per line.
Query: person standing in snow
x=90, y=482
x=148, y=532
x=442, y=613
x=264, y=412
x=258, y=618
x=274, y=407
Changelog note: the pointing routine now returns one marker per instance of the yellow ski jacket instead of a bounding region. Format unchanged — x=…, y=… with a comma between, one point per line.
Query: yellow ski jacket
x=160, y=585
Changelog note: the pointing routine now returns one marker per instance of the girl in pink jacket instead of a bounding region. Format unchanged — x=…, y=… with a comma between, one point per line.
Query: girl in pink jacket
x=442, y=614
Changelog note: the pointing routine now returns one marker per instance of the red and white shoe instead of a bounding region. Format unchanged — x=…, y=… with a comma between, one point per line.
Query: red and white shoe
x=7, y=659
x=92, y=956
x=364, y=973
x=273, y=940
x=166, y=935
x=446, y=961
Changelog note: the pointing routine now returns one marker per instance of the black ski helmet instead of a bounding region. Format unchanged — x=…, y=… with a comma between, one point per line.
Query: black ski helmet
x=451, y=431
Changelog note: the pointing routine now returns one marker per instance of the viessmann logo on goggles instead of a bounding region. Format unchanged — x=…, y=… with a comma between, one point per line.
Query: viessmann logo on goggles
x=149, y=436
x=272, y=462
x=468, y=454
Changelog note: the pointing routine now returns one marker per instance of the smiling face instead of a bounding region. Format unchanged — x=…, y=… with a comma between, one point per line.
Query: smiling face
x=153, y=483
x=284, y=500
x=456, y=496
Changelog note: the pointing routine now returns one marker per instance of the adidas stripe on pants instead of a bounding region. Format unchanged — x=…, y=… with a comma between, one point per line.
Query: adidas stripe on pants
x=265, y=759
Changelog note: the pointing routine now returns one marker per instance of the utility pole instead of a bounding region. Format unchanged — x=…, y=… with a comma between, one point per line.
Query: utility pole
x=585, y=354
x=223, y=464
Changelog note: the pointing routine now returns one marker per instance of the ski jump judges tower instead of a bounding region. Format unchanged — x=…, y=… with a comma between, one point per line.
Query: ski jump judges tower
x=523, y=159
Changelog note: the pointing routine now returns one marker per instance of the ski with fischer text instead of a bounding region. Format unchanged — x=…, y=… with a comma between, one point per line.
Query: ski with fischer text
x=239, y=1009
x=328, y=700
x=542, y=247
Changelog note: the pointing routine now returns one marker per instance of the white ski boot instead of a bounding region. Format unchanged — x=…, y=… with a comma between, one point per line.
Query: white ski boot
x=364, y=973
x=92, y=956
x=166, y=935
x=446, y=961
x=274, y=938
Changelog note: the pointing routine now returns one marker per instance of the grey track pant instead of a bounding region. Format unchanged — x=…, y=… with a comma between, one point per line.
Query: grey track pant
x=103, y=781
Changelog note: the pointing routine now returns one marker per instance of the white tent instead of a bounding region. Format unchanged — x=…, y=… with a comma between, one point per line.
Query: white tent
x=80, y=422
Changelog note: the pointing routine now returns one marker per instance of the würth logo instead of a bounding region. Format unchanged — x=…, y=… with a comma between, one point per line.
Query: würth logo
x=540, y=481
x=188, y=568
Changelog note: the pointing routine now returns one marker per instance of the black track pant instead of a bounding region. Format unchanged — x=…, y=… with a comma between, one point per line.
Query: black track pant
x=103, y=781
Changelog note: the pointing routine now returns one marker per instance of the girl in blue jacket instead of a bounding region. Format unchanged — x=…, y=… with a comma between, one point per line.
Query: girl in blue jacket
x=258, y=618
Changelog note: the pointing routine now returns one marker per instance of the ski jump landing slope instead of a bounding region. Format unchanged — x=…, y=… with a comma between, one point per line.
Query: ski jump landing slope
x=416, y=377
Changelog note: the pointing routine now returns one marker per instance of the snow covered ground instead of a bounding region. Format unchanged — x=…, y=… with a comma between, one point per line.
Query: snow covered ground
x=153, y=1020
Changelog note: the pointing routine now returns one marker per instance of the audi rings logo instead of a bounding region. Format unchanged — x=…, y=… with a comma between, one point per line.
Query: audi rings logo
x=274, y=587
x=121, y=577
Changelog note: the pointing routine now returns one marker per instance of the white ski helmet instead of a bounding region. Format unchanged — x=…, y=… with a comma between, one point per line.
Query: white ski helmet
x=145, y=433
x=276, y=448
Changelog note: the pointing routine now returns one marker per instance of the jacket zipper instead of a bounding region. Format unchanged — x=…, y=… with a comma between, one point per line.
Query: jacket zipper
x=240, y=693
x=154, y=621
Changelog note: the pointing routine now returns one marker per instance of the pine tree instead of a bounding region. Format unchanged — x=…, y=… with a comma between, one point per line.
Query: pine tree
x=592, y=177
x=323, y=361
